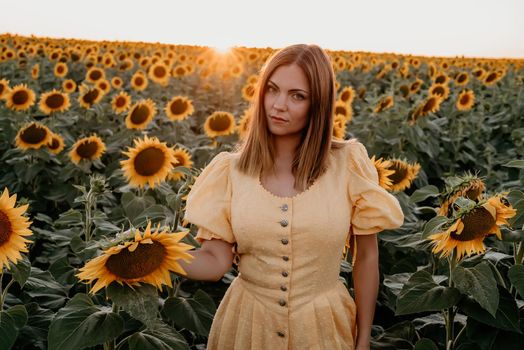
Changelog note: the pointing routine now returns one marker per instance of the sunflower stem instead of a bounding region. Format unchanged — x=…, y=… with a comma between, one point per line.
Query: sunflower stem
x=4, y=292
x=520, y=254
x=450, y=312
x=458, y=335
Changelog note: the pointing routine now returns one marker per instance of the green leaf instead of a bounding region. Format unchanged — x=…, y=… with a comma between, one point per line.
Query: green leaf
x=62, y=271
x=421, y=294
x=160, y=338
x=479, y=283
x=34, y=334
x=21, y=270
x=516, y=198
x=424, y=193
x=70, y=217
x=140, y=302
x=134, y=206
x=11, y=321
x=425, y=344
x=433, y=225
x=152, y=213
x=195, y=314
x=81, y=323
x=516, y=277
x=42, y=288
x=515, y=164
x=506, y=317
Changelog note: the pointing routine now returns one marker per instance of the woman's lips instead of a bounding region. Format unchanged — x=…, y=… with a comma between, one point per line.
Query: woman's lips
x=278, y=120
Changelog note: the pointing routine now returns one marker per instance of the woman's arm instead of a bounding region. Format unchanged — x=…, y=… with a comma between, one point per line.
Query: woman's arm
x=210, y=262
x=366, y=281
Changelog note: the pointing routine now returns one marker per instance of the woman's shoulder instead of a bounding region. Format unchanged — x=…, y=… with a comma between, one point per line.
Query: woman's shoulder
x=348, y=149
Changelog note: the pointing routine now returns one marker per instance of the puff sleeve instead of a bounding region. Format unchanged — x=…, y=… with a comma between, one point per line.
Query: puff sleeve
x=374, y=209
x=209, y=202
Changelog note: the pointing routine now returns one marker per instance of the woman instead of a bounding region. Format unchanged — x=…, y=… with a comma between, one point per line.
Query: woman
x=287, y=200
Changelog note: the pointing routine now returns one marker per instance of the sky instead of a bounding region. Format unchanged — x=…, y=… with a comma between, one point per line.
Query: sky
x=471, y=28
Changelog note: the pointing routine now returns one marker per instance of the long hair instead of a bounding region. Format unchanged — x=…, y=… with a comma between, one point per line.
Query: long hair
x=257, y=150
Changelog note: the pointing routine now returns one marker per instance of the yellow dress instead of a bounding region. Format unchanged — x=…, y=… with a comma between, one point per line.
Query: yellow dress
x=288, y=294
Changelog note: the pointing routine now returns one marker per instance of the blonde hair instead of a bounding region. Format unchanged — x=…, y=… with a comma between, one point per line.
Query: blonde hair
x=257, y=150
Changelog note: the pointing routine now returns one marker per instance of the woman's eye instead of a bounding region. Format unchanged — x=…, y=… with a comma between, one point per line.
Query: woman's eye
x=270, y=89
x=299, y=97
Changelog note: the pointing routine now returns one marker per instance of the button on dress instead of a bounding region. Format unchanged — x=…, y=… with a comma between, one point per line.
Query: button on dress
x=288, y=294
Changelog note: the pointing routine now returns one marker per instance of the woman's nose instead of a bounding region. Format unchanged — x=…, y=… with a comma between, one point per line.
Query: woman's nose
x=280, y=102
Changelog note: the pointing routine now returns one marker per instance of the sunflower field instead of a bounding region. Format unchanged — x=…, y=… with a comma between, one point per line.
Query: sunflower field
x=100, y=143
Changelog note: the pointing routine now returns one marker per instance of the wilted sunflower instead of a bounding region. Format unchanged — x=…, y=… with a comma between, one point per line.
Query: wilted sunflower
x=69, y=86
x=150, y=161
x=219, y=123
x=60, y=70
x=121, y=102
x=347, y=95
x=14, y=227
x=385, y=170
x=469, y=186
x=141, y=114
x=248, y=92
x=159, y=73
x=20, y=98
x=465, y=100
x=54, y=101
x=56, y=145
x=33, y=135
x=404, y=174
x=147, y=259
x=4, y=88
x=94, y=74
x=466, y=231
x=344, y=109
x=183, y=159
x=87, y=148
x=89, y=96
x=384, y=103
x=179, y=108
x=139, y=81
x=35, y=71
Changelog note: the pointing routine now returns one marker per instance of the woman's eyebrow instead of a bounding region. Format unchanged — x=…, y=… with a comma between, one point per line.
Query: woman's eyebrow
x=293, y=90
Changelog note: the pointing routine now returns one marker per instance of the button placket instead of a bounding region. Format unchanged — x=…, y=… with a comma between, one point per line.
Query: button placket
x=284, y=223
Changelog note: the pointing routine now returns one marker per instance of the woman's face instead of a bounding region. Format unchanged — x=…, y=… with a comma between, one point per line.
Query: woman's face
x=286, y=100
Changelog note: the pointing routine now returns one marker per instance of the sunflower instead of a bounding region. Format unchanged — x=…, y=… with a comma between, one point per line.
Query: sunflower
x=33, y=135
x=415, y=86
x=103, y=85
x=479, y=73
x=159, y=73
x=94, y=74
x=87, y=148
x=404, y=174
x=183, y=159
x=429, y=105
x=147, y=259
x=56, y=145
x=344, y=109
x=491, y=78
x=347, y=95
x=35, y=71
x=248, y=92
x=54, y=101
x=219, y=123
x=150, y=161
x=60, y=70
x=20, y=98
x=384, y=103
x=179, y=71
x=469, y=186
x=179, y=108
x=117, y=82
x=121, y=102
x=465, y=100
x=69, y=86
x=466, y=231
x=385, y=170
x=141, y=114
x=441, y=78
x=89, y=96
x=462, y=79
x=4, y=88
x=139, y=81
x=252, y=79
x=14, y=227
x=339, y=126
x=439, y=90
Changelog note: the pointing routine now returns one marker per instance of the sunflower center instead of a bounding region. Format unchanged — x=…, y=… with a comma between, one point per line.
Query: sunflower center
x=5, y=228
x=149, y=161
x=477, y=223
x=160, y=72
x=140, y=114
x=438, y=90
x=178, y=106
x=139, y=81
x=87, y=149
x=90, y=96
x=120, y=102
x=340, y=110
x=464, y=100
x=491, y=77
x=20, y=97
x=33, y=134
x=220, y=123
x=441, y=79
x=400, y=173
x=473, y=193
x=429, y=105
x=95, y=75
x=55, y=101
x=462, y=78
x=54, y=144
x=144, y=260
